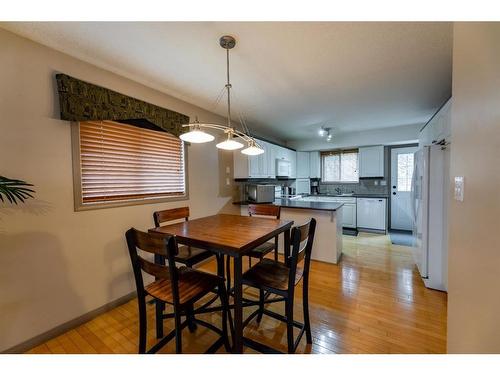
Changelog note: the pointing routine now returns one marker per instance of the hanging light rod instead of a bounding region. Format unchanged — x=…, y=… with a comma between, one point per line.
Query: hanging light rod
x=195, y=133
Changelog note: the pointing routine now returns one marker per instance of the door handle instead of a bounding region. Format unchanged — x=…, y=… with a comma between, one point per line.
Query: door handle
x=394, y=186
x=394, y=193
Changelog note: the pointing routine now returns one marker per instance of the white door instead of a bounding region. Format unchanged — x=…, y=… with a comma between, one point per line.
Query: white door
x=402, y=161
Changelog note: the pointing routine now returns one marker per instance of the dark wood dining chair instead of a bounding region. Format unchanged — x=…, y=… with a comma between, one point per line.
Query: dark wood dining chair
x=179, y=287
x=187, y=255
x=281, y=278
x=262, y=250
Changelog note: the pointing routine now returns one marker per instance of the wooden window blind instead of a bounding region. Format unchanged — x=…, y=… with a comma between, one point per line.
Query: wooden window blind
x=121, y=162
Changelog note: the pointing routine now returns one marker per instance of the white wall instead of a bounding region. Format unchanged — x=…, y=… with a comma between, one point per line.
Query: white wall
x=57, y=264
x=474, y=243
x=386, y=136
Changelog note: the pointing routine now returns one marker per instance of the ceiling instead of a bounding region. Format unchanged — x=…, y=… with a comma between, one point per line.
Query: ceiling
x=288, y=78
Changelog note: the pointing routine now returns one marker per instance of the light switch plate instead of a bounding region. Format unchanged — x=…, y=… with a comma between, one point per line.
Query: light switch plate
x=228, y=170
x=459, y=188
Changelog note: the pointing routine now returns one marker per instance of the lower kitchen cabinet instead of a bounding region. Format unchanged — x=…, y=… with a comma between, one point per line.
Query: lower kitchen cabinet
x=349, y=215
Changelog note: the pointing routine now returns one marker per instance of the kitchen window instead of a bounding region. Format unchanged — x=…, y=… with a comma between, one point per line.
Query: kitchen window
x=117, y=164
x=340, y=166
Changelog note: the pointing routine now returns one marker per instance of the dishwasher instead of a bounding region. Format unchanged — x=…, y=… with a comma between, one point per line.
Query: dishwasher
x=371, y=213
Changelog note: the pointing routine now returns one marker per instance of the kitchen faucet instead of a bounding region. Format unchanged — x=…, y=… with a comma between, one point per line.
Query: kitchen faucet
x=338, y=190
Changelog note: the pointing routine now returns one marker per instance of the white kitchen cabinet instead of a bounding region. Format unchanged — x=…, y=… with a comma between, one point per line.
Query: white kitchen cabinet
x=302, y=164
x=314, y=164
x=349, y=215
x=438, y=128
x=263, y=165
x=291, y=156
x=269, y=159
x=371, y=161
x=371, y=213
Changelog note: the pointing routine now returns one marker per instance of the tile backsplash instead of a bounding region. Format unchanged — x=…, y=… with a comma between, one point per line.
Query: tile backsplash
x=368, y=186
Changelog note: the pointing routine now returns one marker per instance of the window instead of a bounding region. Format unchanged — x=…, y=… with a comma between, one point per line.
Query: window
x=405, y=170
x=117, y=164
x=340, y=166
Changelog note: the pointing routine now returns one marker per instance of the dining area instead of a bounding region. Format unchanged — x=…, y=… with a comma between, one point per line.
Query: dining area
x=166, y=264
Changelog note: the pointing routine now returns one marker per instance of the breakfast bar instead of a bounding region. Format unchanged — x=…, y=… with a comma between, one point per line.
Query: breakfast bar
x=328, y=238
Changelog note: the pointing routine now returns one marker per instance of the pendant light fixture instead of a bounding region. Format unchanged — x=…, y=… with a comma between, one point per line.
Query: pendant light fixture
x=196, y=134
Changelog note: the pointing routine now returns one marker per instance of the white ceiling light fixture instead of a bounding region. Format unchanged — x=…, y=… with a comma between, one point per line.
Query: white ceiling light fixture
x=195, y=133
x=326, y=131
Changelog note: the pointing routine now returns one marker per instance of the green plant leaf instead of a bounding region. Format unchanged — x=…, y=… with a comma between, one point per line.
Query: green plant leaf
x=14, y=190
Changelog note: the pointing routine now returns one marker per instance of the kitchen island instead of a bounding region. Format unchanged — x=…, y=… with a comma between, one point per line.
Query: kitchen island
x=327, y=245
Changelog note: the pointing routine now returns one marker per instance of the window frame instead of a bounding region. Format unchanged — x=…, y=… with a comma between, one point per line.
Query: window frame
x=339, y=152
x=77, y=181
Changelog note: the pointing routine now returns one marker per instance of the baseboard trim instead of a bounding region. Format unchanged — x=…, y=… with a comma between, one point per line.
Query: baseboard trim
x=60, y=329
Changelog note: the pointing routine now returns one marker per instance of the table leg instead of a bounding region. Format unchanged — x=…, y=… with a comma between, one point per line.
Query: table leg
x=238, y=309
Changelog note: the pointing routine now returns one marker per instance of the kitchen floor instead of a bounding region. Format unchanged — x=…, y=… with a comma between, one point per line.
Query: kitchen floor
x=372, y=302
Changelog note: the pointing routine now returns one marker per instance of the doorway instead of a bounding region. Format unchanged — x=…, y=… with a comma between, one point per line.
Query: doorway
x=402, y=162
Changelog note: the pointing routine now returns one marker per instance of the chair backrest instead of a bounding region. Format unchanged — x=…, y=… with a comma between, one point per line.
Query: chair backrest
x=159, y=245
x=264, y=210
x=302, y=238
x=160, y=217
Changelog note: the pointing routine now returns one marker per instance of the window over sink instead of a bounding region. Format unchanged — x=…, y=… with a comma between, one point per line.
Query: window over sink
x=340, y=166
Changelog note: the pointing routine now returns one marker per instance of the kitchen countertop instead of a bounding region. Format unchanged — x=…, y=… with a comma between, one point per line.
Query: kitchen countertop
x=353, y=196
x=290, y=203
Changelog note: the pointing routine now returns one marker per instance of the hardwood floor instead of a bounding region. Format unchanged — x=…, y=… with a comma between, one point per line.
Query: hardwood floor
x=372, y=302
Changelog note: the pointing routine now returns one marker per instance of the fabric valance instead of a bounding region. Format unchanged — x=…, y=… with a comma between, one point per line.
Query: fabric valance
x=83, y=101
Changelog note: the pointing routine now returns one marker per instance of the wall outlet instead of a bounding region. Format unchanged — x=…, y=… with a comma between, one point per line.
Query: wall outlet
x=375, y=183
x=459, y=188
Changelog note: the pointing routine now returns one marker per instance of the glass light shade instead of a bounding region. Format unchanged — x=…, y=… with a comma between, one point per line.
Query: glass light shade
x=321, y=132
x=252, y=150
x=196, y=136
x=229, y=144
x=329, y=137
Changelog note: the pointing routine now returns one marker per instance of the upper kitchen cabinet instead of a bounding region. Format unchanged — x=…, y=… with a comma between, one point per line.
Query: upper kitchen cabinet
x=263, y=165
x=438, y=128
x=303, y=164
x=371, y=161
x=314, y=164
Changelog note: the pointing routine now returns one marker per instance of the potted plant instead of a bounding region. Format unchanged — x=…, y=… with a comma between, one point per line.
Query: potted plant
x=14, y=191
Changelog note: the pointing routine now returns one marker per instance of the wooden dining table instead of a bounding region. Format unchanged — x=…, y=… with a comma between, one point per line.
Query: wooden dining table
x=233, y=236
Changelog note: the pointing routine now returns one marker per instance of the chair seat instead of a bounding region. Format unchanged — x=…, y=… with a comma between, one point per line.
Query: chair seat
x=262, y=250
x=189, y=255
x=270, y=274
x=192, y=285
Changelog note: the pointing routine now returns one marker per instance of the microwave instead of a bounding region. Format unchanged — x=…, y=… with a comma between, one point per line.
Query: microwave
x=260, y=193
x=283, y=168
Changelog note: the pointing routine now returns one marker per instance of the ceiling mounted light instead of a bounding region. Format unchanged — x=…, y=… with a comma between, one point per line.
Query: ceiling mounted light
x=195, y=134
x=252, y=149
x=325, y=131
x=329, y=136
